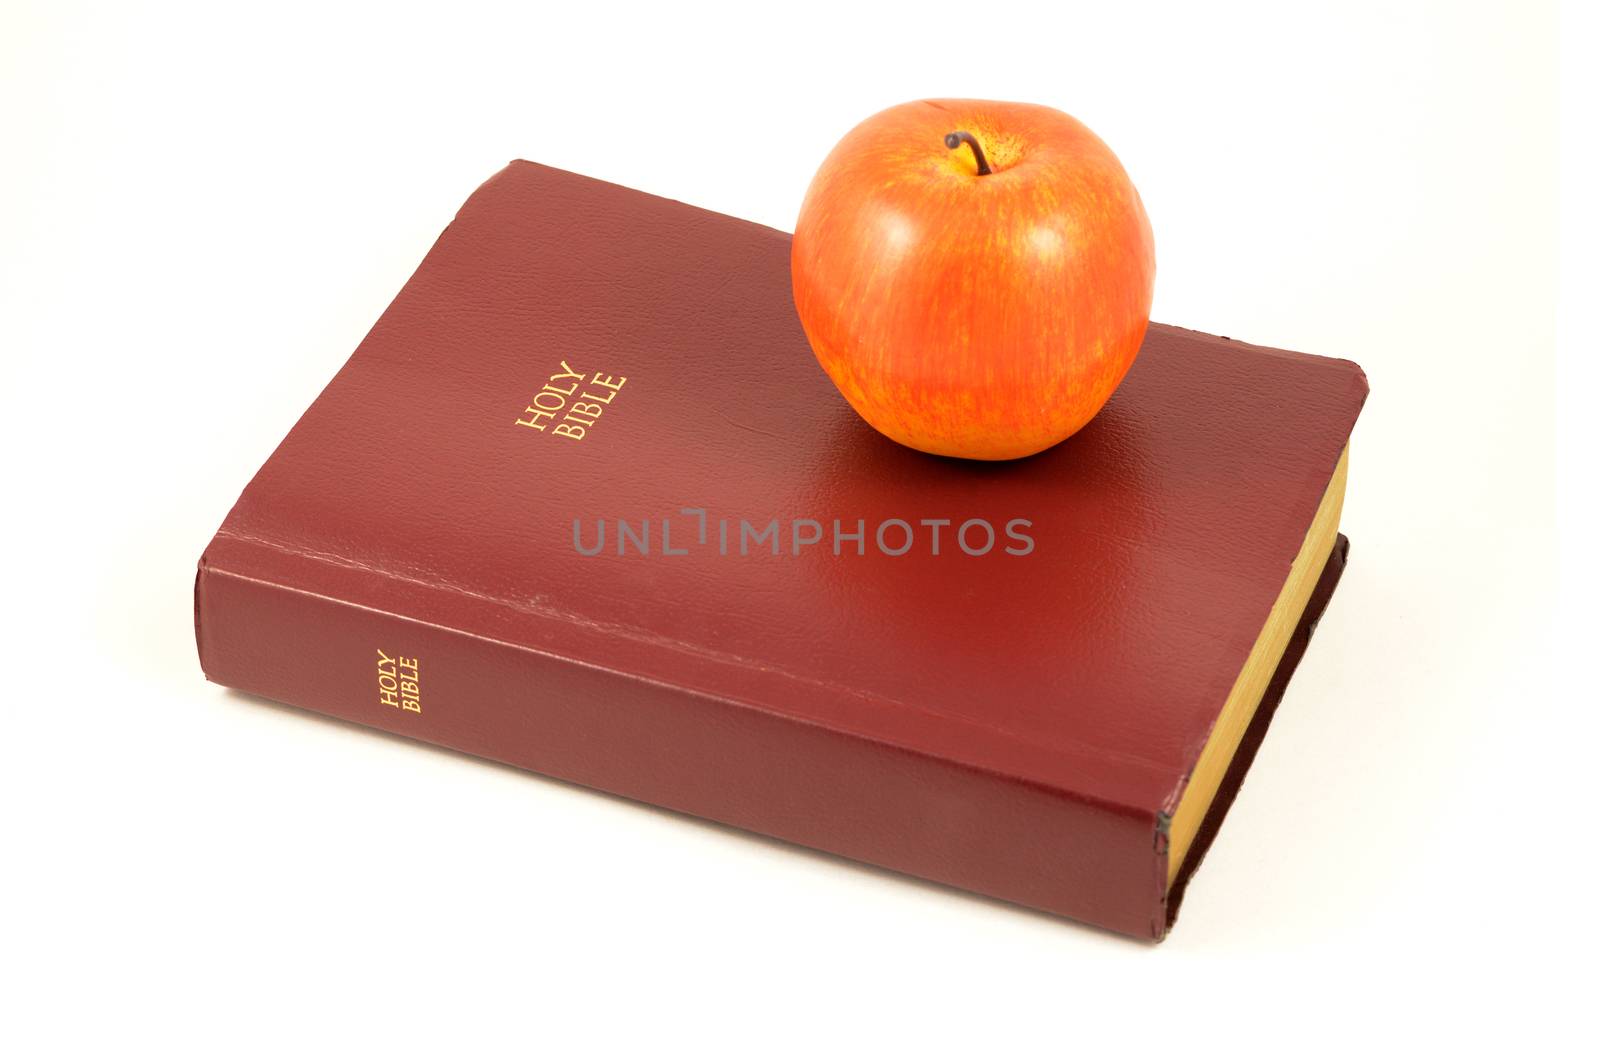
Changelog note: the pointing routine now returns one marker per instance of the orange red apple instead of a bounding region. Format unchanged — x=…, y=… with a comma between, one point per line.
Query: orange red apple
x=974, y=276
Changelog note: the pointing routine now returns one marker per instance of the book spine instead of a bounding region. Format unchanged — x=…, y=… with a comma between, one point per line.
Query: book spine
x=685, y=750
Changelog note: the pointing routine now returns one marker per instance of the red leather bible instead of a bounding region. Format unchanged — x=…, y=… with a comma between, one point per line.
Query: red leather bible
x=583, y=502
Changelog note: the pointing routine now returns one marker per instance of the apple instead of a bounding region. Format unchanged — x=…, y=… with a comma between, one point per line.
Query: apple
x=974, y=276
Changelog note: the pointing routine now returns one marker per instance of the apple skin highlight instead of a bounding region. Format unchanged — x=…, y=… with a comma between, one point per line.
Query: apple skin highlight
x=973, y=315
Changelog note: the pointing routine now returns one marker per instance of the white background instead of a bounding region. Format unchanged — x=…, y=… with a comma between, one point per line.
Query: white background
x=203, y=209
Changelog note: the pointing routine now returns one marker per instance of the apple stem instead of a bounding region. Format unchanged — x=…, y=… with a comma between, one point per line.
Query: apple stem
x=960, y=137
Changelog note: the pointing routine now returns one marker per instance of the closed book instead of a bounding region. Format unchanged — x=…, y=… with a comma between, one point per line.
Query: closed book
x=583, y=502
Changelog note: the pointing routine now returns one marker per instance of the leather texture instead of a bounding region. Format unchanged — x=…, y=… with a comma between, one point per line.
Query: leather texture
x=1012, y=725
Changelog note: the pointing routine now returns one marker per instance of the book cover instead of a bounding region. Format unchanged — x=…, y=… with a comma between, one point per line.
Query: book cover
x=583, y=502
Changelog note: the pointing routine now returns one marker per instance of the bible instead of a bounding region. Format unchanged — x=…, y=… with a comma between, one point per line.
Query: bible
x=583, y=502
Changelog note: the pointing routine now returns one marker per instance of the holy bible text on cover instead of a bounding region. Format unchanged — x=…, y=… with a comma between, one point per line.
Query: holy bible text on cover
x=584, y=502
